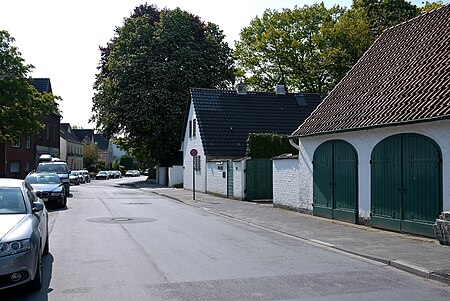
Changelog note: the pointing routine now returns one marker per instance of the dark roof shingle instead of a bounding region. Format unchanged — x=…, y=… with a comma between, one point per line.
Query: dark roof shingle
x=42, y=84
x=403, y=77
x=225, y=118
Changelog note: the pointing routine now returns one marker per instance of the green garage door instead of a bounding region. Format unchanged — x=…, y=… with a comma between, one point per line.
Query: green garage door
x=335, y=190
x=406, y=189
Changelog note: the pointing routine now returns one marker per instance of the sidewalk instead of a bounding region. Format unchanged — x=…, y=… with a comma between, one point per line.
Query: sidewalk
x=421, y=256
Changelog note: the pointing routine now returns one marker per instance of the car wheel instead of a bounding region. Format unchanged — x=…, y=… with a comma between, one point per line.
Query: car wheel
x=64, y=202
x=36, y=283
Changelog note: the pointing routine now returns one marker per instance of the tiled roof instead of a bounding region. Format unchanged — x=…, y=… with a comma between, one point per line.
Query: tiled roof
x=66, y=135
x=83, y=133
x=42, y=84
x=102, y=143
x=403, y=77
x=225, y=118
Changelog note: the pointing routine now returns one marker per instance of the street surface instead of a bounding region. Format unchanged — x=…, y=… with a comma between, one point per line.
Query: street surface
x=117, y=242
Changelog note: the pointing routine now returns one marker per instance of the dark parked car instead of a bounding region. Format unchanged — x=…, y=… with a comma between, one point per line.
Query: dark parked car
x=60, y=168
x=48, y=188
x=24, y=235
x=102, y=175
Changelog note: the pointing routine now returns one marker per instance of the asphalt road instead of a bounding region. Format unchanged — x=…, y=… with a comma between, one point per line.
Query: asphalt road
x=116, y=242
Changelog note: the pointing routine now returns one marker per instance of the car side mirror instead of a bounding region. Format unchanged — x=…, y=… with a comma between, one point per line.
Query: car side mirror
x=38, y=207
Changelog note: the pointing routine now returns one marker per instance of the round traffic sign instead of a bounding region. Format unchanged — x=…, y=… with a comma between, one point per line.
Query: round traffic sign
x=193, y=152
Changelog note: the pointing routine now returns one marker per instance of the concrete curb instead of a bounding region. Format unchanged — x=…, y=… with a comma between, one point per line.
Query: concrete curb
x=398, y=264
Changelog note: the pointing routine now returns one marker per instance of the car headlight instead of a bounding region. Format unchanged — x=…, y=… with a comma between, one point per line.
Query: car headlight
x=14, y=247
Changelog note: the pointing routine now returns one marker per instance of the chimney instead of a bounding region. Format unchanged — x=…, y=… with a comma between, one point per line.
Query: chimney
x=240, y=89
x=280, y=89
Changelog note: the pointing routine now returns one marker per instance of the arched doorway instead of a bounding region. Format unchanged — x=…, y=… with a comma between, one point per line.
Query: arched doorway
x=335, y=173
x=406, y=184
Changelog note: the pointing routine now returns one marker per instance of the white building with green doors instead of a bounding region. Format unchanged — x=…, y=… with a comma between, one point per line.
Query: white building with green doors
x=377, y=150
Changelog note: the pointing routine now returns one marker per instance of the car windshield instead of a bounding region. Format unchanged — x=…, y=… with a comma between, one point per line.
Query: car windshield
x=58, y=168
x=11, y=201
x=43, y=179
x=74, y=173
x=102, y=172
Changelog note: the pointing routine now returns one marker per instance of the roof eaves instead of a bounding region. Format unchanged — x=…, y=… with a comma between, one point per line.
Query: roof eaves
x=400, y=123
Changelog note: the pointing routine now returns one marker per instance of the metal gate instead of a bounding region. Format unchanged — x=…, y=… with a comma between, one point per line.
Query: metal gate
x=230, y=191
x=259, y=182
x=335, y=190
x=406, y=189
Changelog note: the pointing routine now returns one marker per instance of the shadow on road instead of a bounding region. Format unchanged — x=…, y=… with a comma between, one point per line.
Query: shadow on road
x=22, y=292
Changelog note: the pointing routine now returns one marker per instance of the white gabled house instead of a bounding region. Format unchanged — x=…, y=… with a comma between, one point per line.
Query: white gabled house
x=377, y=150
x=216, y=128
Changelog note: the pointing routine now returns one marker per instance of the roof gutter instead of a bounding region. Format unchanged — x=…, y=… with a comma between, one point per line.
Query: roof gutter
x=369, y=127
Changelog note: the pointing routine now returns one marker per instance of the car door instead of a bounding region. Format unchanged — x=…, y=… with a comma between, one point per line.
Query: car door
x=41, y=216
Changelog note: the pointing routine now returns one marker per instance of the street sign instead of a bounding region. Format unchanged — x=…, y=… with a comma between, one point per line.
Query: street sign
x=193, y=152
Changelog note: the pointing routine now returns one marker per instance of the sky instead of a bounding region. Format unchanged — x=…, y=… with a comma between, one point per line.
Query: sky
x=61, y=38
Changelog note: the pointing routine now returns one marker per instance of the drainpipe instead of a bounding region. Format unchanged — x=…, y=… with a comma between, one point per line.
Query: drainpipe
x=296, y=146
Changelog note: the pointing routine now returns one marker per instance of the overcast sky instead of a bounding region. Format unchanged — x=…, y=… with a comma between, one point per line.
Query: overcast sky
x=61, y=37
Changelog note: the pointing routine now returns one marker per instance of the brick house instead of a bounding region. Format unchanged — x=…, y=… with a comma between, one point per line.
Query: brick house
x=19, y=157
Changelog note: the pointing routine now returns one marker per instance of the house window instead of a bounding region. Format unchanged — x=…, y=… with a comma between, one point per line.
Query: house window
x=16, y=142
x=55, y=132
x=14, y=167
x=47, y=127
x=190, y=128
x=194, y=127
x=28, y=166
x=28, y=142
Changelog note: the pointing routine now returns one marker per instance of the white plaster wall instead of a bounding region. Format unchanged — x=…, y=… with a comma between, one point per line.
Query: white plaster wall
x=161, y=175
x=286, y=190
x=63, y=149
x=188, y=144
x=175, y=175
x=364, y=142
x=216, y=182
x=238, y=179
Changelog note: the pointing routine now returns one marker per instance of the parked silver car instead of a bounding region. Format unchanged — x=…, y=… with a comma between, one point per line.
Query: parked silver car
x=23, y=234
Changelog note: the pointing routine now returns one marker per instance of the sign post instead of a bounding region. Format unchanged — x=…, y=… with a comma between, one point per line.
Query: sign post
x=193, y=153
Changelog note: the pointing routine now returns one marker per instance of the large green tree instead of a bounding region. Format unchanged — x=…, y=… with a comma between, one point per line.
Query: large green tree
x=307, y=49
x=383, y=14
x=22, y=108
x=145, y=74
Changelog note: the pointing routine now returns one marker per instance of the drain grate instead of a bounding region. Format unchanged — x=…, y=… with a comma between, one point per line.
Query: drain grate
x=121, y=220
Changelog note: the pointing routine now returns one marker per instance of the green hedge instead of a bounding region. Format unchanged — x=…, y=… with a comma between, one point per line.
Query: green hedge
x=263, y=145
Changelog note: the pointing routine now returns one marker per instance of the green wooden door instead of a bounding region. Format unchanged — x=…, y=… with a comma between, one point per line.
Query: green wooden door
x=230, y=191
x=259, y=182
x=335, y=190
x=406, y=184
x=323, y=180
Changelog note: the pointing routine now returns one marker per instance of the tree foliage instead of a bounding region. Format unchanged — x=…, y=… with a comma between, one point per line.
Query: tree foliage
x=307, y=49
x=429, y=6
x=310, y=48
x=383, y=14
x=268, y=145
x=145, y=74
x=90, y=157
x=22, y=108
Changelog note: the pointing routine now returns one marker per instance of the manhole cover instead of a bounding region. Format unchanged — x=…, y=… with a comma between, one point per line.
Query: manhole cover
x=121, y=220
